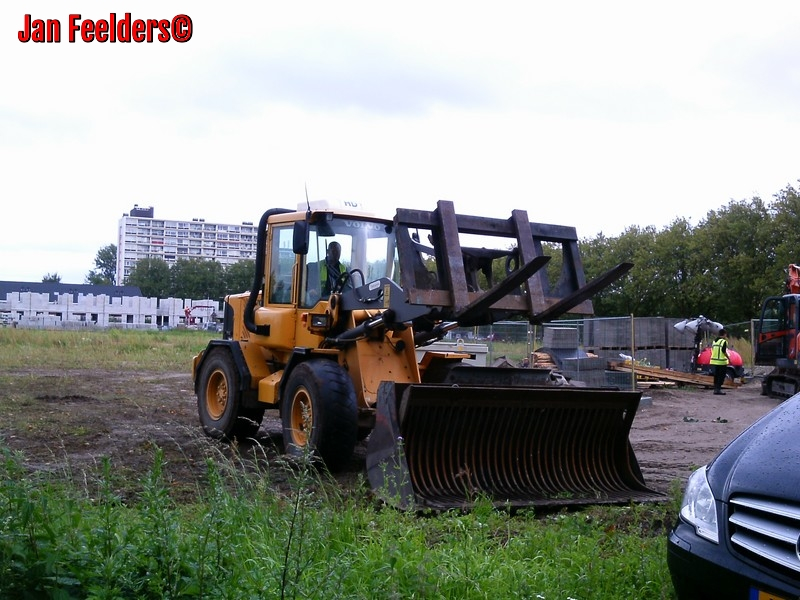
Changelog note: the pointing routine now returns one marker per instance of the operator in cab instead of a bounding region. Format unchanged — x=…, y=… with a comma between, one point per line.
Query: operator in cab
x=328, y=271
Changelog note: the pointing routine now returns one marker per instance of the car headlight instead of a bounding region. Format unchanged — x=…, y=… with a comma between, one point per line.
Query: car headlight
x=699, y=508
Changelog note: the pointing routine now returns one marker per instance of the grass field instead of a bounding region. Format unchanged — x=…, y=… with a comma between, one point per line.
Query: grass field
x=75, y=535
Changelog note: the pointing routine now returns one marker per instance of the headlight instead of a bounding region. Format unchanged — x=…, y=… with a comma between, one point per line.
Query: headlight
x=699, y=508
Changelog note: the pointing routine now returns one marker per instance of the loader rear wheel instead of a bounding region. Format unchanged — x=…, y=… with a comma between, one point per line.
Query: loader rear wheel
x=319, y=413
x=219, y=402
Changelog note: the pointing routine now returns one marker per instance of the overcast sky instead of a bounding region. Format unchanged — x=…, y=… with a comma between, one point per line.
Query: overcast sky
x=598, y=115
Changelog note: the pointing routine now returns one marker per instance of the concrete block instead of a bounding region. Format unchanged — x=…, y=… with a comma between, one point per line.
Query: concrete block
x=618, y=379
x=585, y=363
x=649, y=332
x=679, y=359
x=560, y=337
x=675, y=339
x=590, y=378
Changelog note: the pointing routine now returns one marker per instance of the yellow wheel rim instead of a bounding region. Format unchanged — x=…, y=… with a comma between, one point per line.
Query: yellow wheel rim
x=216, y=395
x=301, y=417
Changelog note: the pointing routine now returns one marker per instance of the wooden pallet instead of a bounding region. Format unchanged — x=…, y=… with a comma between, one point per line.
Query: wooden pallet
x=667, y=375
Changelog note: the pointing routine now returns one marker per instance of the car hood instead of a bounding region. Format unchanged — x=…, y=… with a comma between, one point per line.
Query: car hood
x=764, y=459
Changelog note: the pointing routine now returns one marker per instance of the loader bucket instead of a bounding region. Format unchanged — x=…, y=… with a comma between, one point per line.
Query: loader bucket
x=442, y=446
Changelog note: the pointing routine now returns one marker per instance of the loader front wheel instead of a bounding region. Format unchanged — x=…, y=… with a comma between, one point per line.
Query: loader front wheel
x=219, y=400
x=319, y=413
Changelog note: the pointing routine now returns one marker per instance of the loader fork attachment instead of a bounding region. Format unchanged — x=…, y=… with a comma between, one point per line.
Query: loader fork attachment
x=439, y=272
x=444, y=446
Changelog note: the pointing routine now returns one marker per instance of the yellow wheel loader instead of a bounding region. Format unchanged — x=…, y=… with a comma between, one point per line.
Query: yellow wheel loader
x=332, y=348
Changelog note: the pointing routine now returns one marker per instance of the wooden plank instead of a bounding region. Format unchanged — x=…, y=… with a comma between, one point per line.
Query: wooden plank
x=667, y=375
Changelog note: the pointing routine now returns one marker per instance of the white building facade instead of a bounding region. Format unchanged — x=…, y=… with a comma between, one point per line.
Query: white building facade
x=141, y=235
x=72, y=311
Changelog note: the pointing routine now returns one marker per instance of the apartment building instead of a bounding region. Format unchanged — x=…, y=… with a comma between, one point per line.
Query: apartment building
x=141, y=235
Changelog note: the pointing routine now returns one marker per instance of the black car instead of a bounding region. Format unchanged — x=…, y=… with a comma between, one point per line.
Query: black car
x=738, y=535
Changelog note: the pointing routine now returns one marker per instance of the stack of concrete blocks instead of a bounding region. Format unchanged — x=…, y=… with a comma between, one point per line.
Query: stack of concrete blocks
x=680, y=347
x=651, y=341
x=563, y=344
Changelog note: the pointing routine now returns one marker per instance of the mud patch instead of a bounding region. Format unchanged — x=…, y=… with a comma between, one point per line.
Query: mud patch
x=66, y=399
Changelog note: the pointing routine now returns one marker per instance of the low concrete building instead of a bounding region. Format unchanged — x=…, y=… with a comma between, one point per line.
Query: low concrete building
x=24, y=304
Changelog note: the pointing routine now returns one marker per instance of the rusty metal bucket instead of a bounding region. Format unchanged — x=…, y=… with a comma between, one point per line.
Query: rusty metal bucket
x=443, y=446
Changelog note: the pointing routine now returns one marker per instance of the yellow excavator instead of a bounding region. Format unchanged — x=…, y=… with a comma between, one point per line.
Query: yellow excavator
x=333, y=349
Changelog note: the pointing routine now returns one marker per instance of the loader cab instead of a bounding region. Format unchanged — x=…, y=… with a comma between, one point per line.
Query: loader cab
x=367, y=252
x=778, y=330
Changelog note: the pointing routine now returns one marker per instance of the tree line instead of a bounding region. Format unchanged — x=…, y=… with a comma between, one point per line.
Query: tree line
x=186, y=278
x=191, y=278
x=723, y=267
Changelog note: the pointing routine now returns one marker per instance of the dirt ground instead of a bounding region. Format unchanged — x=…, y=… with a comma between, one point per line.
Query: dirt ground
x=66, y=422
x=678, y=430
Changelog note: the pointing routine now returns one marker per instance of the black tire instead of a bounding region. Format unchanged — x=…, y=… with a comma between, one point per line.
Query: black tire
x=319, y=398
x=219, y=401
x=730, y=374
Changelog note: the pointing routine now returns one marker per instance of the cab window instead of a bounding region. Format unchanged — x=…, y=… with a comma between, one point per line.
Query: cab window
x=280, y=269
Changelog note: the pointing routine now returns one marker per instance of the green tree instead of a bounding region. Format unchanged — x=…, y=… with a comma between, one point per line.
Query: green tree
x=239, y=276
x=197, y=278
x=630, y=294
x=152, y=276
x=105, y=272
x=555, y=267
x=784, y=231
x=51, y=278
x=671, y=264
x=598, y=256
x=735, y=249
x=722, y=268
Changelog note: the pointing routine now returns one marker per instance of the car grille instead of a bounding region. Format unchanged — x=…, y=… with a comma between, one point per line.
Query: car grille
x=767, y=531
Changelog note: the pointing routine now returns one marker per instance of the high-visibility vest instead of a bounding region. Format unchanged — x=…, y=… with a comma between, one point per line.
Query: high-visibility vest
x=323, y=272
x=718, y=354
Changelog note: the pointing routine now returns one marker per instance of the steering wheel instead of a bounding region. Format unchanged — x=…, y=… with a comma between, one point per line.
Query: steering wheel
x=341, y=281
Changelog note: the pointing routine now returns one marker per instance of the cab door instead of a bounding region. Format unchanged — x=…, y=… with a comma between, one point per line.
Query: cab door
x=279, y=311
x=777, y=330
